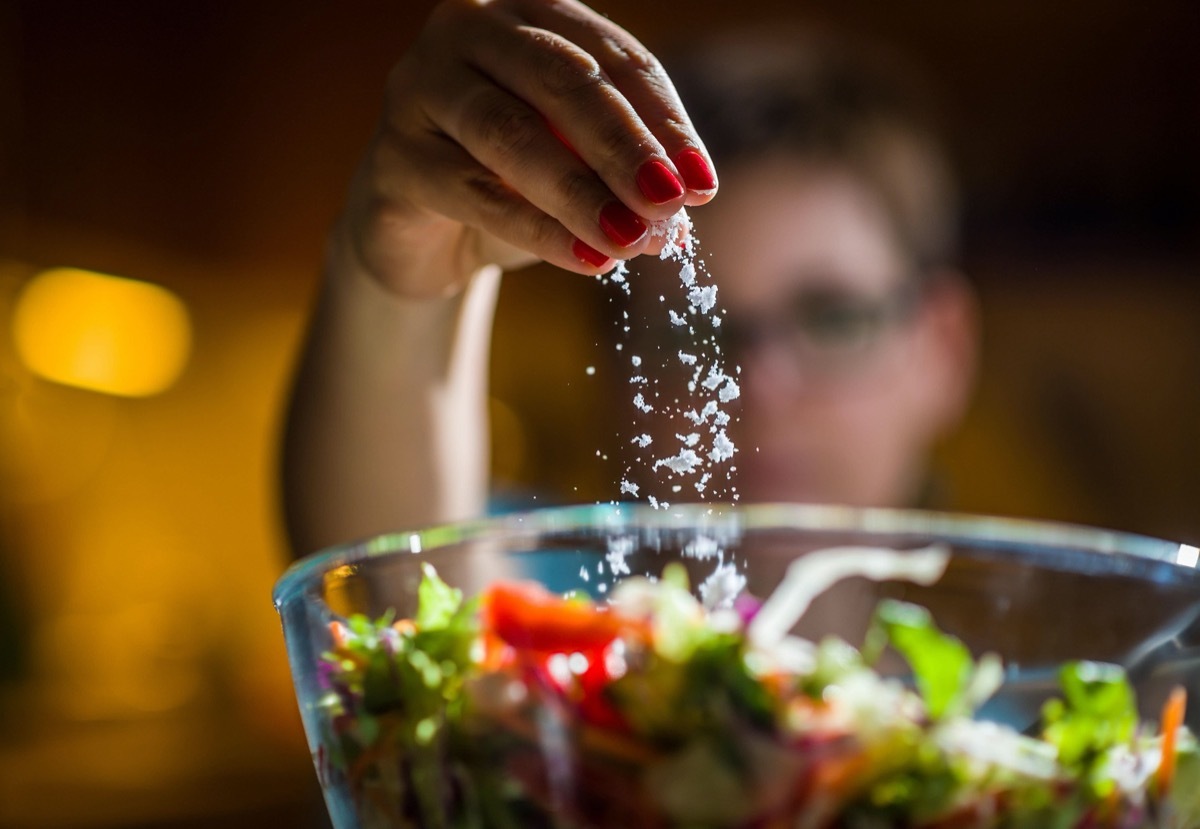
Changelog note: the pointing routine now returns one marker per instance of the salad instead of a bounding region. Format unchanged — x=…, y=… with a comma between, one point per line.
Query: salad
x=522, y=708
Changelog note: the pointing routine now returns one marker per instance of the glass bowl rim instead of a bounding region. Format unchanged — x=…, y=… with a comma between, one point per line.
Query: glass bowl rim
x=964, y=528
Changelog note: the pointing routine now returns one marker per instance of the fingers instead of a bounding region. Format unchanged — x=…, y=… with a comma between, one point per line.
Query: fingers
x=541, y=123
x=450, y=182
x=639, y=78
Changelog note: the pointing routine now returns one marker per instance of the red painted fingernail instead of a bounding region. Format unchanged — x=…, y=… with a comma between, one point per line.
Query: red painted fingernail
x=588, y=254
x=657, y=183
x=695, y=171
x=621, y=224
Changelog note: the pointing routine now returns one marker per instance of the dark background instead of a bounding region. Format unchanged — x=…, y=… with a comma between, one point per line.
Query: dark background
x=205, y=147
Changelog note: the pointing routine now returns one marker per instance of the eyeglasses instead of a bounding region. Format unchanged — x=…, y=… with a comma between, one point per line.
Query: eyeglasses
x=829, y=329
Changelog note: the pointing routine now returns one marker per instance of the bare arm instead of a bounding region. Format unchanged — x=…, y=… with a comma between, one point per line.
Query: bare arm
x=514, y=130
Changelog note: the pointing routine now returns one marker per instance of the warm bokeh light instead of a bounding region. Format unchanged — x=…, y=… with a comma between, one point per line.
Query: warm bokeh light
x=104, y=333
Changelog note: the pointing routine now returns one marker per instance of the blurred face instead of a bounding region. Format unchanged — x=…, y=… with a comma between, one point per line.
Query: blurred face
x=849, y=371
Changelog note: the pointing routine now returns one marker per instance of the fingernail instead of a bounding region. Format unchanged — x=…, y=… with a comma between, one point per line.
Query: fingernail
x=657, y=183
x=696, y=173
x=588, y=254
x=621, y=224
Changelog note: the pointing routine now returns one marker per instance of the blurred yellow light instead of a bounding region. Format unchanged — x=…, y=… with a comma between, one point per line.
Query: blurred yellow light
x=103, y=333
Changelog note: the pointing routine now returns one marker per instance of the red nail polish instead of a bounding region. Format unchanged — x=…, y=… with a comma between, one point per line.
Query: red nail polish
x=657, y=183
x=695, y=171
x=587, y=254
x=621, y=224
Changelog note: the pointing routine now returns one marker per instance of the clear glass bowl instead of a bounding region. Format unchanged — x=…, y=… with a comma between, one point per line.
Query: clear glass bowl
x=1037, y=594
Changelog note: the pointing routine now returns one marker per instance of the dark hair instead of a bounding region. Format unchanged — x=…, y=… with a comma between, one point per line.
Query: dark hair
x=817, y=98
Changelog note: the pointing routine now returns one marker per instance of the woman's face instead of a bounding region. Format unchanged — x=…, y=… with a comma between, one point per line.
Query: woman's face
x=848, y=372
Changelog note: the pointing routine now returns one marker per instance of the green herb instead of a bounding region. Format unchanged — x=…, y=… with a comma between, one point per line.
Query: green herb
x=1096, y=713
x=941, y=664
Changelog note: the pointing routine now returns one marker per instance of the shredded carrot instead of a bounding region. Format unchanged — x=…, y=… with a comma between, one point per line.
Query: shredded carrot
x=1172, y=719
x=338, y=631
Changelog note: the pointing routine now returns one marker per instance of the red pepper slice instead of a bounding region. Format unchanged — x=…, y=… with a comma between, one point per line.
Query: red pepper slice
x=527, y=616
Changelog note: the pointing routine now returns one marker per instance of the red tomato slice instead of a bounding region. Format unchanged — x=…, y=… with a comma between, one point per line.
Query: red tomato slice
x=527, y=616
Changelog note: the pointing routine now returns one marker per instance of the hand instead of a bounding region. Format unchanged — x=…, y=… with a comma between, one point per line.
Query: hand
x=517, y=130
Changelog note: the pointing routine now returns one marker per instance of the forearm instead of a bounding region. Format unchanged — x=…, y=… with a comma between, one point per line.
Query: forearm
x=387, y=427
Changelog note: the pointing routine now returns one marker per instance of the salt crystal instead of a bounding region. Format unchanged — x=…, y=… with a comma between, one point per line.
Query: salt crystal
x=676, y=317
x=730, y=391
x=703, y=298
x=723, y=447
x=687, y=274
x=722, y=587
x=635, y=360
x=628, y=486
x=689, y=440
x=642, y=440
x=682, y=464
x=715, y=378
x=687, y=359
x=590, y=370
x=701, y=547
x=640, y=402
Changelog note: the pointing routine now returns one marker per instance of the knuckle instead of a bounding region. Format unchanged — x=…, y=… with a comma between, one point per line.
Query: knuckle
x=505, y=127
x=617, y=143
x=541, y=230
x=488, y=193
x=564, y=69
x=577, y=188
x=637, y=60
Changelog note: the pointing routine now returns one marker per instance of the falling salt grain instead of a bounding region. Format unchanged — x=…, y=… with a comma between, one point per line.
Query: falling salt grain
x=687, y=274
x=629, y=487
x=723, y=447
x=730, y=391
x=682, y=464
x=687, y=359
x=640, y=402
x=590, y=370
x=703, y=298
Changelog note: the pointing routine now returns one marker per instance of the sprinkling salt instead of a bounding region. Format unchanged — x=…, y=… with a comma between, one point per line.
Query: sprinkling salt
x=709, y=381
